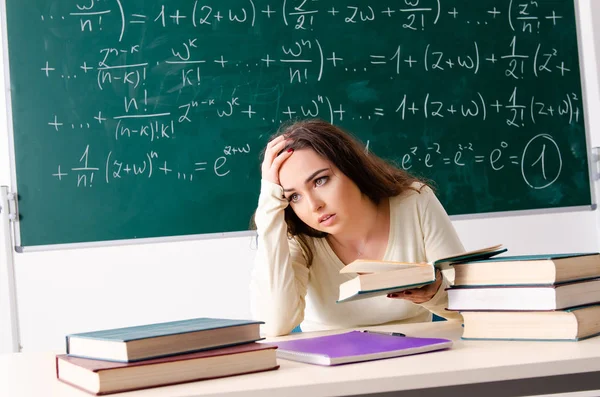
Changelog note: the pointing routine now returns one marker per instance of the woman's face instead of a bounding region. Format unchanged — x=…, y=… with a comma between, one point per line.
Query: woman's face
x=319, y=193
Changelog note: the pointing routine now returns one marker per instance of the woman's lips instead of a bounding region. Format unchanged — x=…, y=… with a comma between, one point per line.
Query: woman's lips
x=327, y=220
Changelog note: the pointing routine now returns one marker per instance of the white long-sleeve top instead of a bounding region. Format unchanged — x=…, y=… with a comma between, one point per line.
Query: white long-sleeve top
x=285, y=291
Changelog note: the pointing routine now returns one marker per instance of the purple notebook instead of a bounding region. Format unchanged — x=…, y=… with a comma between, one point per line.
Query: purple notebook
x=355, y=346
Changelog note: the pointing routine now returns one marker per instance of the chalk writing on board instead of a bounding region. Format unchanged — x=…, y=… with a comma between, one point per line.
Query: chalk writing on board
x=146, y=166
x=308, y=60
x=153, y=114
x=525, y=16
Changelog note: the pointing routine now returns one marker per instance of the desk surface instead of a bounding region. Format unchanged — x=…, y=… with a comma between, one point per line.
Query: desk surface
x=467, y=363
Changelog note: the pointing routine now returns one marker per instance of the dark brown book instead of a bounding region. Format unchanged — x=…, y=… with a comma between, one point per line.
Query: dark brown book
x=105, y=377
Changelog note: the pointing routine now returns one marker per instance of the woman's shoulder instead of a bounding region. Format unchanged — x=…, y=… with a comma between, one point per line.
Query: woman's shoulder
x=416, y=192
x=316, y=245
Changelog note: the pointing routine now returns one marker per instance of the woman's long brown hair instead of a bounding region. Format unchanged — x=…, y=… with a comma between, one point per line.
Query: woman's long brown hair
x=375, y=178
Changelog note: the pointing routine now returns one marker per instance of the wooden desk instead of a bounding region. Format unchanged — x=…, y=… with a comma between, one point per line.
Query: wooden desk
x=470, y=368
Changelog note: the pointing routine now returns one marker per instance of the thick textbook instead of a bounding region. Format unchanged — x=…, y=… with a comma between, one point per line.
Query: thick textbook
x=543, y=297
x=375, y=284
x=355, y=346
x=106, y=377
x=163, y=339
x=566, y=325
x=528, y=269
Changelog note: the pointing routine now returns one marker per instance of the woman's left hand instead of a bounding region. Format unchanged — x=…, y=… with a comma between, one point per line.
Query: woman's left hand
x=420, y=295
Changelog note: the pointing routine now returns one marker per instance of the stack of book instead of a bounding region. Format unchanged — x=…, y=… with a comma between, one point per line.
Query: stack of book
x=131, y=358
x=535, y=297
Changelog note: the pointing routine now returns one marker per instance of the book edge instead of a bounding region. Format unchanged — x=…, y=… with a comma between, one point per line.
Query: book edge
x=166, y=355
x=85, y=335
x=167, y=384
x=577, y=339
x=376, y=292
x=533, y=257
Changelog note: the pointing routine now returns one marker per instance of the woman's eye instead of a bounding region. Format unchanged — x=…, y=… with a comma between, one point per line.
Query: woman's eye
x=294, y=197
x=320, y=181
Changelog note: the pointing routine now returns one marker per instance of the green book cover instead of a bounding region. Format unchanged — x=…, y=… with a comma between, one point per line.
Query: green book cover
x=172, y=338
x=162, y=329
x=535, y=257
x=468, y=257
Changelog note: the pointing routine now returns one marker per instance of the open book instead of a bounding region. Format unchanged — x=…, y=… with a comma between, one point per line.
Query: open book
x=386, y=282
x=375, y=266
x=375, y=278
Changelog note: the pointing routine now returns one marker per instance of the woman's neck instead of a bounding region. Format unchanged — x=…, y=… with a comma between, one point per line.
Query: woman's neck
x=367, y=236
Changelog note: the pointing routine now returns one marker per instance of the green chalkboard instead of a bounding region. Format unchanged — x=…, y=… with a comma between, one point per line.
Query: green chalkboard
x=143, y=118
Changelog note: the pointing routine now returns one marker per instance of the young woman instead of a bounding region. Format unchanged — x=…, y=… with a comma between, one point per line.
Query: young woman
x=323, y=203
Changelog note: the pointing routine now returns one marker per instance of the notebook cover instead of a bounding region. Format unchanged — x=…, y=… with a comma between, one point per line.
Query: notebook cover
x=357, y=345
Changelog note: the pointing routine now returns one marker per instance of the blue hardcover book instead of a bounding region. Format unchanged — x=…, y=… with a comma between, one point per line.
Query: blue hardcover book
x=542, y=269
x=163, y=339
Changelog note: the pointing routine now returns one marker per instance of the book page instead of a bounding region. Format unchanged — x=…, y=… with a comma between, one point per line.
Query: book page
x=375, y=266
x=477, y=251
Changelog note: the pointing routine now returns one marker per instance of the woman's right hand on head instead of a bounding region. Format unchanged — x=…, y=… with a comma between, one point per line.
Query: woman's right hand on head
x=272, y=162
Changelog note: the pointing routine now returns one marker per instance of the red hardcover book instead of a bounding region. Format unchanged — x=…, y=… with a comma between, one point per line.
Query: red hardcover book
x=100, y=377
